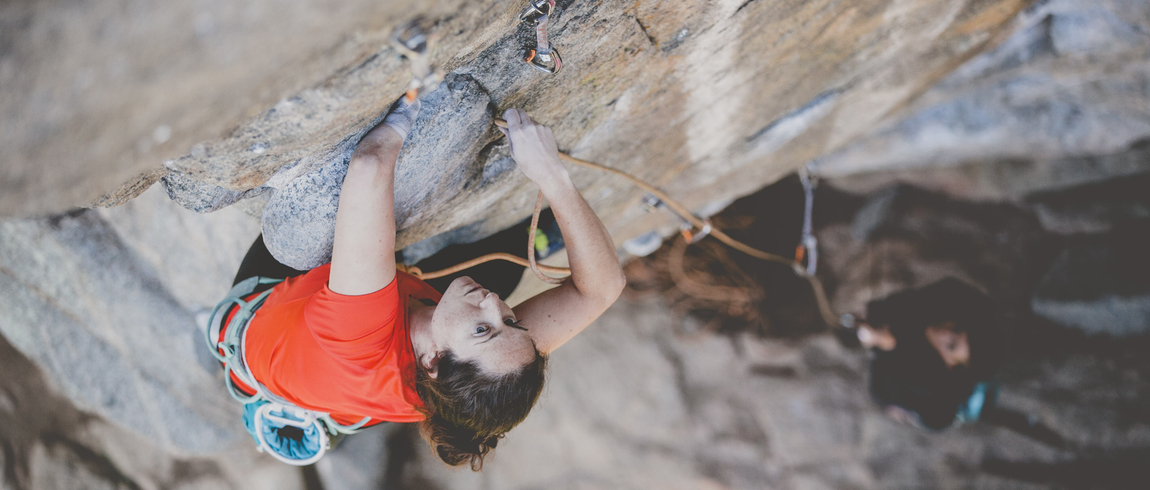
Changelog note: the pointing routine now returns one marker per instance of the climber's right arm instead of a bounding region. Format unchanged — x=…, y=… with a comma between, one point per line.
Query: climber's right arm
x=363, y=256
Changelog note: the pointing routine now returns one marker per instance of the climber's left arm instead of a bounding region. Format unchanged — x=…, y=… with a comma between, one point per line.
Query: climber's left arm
x=363, y=256
x=558, y=315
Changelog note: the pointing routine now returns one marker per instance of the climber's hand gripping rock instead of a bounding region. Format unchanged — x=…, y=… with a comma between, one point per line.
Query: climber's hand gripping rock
x=533, y=147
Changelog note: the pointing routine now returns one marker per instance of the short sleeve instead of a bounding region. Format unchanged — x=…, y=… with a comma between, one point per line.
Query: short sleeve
x=354, y=329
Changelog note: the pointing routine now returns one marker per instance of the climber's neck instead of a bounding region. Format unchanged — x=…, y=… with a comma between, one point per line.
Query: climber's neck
x=419, y=328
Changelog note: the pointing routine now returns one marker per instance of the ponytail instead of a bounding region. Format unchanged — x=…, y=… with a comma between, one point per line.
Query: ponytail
x=457, y=445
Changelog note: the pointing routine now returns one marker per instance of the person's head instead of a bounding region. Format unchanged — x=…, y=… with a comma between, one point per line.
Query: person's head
x=951, y=343
x=484, y=377
x=952, y=319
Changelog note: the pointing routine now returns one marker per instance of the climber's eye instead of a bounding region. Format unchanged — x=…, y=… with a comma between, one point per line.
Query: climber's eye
x=481, y=330
x=513, y=323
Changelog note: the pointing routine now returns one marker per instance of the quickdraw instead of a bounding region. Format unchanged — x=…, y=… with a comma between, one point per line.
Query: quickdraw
x=809, y=245
x=538, y=13
x=693, y=236
x=411, y=41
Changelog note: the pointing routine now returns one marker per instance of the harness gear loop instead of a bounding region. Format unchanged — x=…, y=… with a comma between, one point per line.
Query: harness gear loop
x=539, y=13
x=413, y=43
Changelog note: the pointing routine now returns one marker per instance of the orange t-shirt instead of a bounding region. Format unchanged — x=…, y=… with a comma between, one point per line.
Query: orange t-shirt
x=349, y=356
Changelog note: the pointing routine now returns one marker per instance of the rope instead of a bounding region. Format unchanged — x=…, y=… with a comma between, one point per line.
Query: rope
x=531, y=244
x=415, y=271
x=821, y=300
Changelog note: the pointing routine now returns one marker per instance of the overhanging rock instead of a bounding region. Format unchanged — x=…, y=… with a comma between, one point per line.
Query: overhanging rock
x=706, y=99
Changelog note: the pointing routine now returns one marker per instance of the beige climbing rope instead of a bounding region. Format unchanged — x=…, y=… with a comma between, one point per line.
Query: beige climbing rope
x=701, y=224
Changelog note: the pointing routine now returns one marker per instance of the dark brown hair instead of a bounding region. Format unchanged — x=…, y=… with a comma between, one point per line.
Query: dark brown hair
x=467, y=411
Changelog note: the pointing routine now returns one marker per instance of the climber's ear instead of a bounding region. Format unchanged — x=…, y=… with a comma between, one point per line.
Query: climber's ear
x=431, y=365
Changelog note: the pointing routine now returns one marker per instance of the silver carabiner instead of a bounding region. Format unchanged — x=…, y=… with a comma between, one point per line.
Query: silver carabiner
x=544, y=51
x=535, y=10
x=555, y=67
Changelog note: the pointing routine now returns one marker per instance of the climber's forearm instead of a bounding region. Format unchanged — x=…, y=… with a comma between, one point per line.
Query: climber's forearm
x=595, y=270
x=363, y=255
x=556, y=316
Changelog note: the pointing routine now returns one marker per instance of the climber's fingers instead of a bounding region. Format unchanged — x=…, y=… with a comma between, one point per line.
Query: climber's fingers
x=514, y=117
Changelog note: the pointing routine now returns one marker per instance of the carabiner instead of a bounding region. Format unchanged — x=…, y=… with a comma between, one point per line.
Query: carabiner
x=692, y=236
x=558, y=62
x=537, y=8
x=543, y=51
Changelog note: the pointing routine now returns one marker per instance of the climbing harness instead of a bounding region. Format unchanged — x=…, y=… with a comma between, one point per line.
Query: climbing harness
x=411, y=41
x=293, y=435
x=538, y=13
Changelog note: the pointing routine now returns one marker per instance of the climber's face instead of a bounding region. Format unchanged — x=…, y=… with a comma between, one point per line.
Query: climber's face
x=954, y=347
x=474, y=324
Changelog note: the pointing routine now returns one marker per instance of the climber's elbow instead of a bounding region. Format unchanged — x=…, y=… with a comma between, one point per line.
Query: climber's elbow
x=616, y=286
x=606, y=289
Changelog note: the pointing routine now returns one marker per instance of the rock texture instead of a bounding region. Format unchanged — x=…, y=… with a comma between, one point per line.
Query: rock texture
x=631, y=405
x=256, y=106
x=703, y=98
x=1062, y=102
x=1100, y=283
x=46, y=443
x=99, y=313
x=905, y=237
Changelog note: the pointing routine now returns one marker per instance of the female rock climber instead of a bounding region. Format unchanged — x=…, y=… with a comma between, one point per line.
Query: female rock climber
x=356, y=338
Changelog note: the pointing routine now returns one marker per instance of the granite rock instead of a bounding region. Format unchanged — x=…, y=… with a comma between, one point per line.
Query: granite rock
x=1100, y=283
x=709, y=99
x=1061, y=102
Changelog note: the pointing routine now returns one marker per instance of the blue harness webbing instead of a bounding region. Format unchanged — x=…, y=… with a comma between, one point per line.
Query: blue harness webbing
x=273, y=411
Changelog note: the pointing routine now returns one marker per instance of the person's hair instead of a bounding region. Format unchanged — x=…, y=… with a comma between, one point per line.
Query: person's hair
x=467, y=411
x=914, y=375
x=909, y=312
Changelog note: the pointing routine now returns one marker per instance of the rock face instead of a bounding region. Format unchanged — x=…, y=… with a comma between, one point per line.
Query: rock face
x=48, y=444
x=99, y=314
x=1101, y=283
x=906, y=237
x=1062, y=102
x=257, y=106
x=703, y=98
